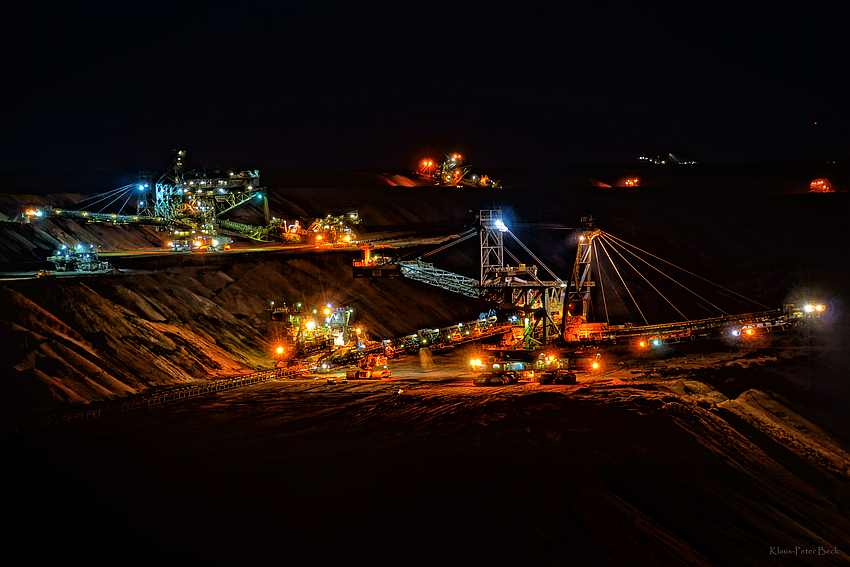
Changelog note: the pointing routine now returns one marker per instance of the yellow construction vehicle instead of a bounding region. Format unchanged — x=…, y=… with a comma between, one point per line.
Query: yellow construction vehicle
x=371, y=367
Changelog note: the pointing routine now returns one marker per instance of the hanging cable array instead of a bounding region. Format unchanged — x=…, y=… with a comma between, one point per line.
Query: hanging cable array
x=664, y=297
x=601, y=284
x=623, y=244
x=611, y=242
x=465, y=236
x=619, y=275
x=130, y=191
x=104, y=196
x=536, y=259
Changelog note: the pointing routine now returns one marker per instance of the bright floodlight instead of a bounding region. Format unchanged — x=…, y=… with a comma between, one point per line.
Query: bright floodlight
x=808, y=308
x=820, y=307
x=280, y=350
x=501, y=226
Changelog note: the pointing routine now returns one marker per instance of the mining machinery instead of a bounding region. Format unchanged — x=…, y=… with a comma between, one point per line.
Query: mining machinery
x=333, y=230
x=193, y=202
x=821, y=185
x=558, y=317
x=190, y=205
x=77, y=258
x=453, y=172
x=370, y=367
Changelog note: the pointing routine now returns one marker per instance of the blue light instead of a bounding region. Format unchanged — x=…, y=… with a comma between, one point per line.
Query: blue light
x=656, y=342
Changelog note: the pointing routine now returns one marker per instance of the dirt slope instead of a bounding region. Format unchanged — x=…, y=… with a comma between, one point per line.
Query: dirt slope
x=94, y=338
x=425, y=473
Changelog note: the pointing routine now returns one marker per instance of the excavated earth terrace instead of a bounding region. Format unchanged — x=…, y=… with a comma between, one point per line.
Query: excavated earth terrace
x=717, y=456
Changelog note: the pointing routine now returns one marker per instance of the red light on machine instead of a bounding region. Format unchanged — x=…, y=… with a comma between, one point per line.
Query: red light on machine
x=820, y=186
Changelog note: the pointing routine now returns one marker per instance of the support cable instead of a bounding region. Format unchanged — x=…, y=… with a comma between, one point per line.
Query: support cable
x=129, y=196
x=686, y=271
x=536, y=259
x=103, y=196
x=683, y=286
x=511, y=254
x=617, y=293
x=113, y=200
x=601, y=284
x=466, y=236
x=647, y=281
x=602, y=244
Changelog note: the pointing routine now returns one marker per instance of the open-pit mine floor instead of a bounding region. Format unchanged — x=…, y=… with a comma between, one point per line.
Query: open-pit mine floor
x=626, y=468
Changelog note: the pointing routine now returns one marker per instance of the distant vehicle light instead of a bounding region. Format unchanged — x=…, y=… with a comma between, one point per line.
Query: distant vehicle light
x=642, y=344
x=750, y=331
x=656, y=342
x=808, y=308
x=820, y=307
x=736, y=332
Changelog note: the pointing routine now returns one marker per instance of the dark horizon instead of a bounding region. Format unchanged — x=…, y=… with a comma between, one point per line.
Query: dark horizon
x=333, y=86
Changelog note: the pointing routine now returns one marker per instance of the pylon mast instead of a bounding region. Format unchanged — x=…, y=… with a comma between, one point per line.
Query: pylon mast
x=491, y=234
x=578, y=298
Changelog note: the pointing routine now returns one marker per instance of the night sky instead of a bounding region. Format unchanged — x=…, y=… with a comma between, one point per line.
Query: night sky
x=350, y=85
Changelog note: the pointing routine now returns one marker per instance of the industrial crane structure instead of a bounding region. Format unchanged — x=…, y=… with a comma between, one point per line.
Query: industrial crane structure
x=190, y=204
x=555, y=322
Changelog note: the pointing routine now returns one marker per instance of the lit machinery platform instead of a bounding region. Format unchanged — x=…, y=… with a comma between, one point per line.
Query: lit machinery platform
x=556, y=311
